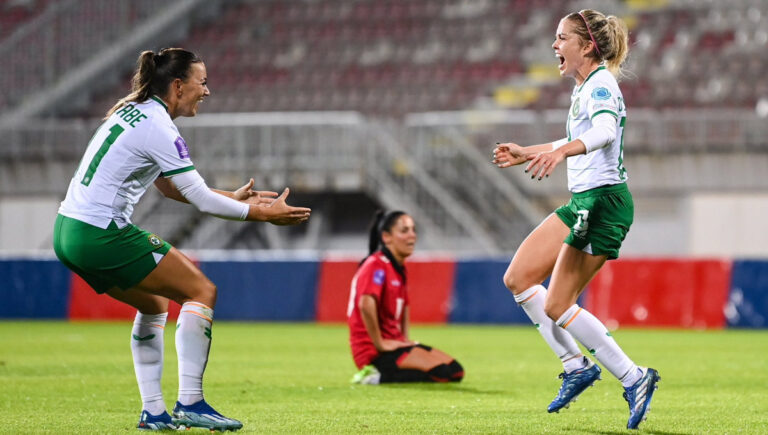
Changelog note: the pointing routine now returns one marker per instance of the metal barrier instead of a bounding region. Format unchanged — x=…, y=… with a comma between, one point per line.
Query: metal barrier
x=434, y=165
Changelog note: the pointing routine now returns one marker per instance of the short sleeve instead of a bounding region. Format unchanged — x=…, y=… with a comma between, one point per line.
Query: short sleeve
x=602, y=100
x=167, y=148
x=371, y=279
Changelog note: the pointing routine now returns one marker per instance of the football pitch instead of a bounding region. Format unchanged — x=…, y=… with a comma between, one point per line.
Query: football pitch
x=61, y=377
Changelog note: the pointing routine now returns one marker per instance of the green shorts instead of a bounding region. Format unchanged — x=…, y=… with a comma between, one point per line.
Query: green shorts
x=107, y=258
x=599, y=219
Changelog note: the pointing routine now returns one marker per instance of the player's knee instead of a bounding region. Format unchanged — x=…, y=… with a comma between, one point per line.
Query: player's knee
x=518, y=281
x=452, y=372
x=509, y=280
x=457, y=371
x=204, y=292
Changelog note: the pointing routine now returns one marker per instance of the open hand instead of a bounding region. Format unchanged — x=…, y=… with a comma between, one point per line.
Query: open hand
x=542, y=164
x=508, y=154
x=279, y=213
x=255, y=197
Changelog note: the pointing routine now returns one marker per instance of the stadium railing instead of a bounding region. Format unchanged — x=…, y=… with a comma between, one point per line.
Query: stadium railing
x=435, y=165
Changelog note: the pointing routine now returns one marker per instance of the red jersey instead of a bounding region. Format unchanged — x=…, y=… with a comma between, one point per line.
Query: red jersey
x=376, y=277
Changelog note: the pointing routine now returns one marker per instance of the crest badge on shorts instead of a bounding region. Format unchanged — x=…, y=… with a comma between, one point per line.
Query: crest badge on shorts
x=154, y=240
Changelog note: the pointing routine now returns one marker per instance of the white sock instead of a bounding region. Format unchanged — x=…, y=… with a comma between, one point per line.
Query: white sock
x=147, y=350
x=564, y=346
x=193, y=340
x=595, y=337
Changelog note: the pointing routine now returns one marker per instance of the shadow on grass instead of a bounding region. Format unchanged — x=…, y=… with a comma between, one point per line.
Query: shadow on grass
x=652, y=432
x=445, y=387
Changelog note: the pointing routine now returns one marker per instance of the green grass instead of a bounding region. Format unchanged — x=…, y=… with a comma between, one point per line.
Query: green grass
x=59, y=377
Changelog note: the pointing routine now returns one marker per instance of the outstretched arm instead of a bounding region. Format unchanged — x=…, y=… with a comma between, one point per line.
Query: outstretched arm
x=169, y=190
x=511, y=154
x=189, y=187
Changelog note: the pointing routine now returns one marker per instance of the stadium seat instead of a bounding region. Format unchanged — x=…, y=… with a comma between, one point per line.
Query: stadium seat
x=340, y=54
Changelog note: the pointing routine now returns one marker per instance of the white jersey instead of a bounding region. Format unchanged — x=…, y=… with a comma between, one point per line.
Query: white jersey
x=135, y=145
x=599, y=93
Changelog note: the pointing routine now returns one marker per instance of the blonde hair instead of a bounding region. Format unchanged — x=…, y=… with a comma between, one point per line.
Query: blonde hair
x=154, y=73
x=608, y=33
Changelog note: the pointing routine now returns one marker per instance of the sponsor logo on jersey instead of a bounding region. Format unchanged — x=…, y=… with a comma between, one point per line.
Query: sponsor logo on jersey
x=607, y=105
x=395, y=283
x=601, y=94
x=154, y=240
x=378, y=276
x=181, y=147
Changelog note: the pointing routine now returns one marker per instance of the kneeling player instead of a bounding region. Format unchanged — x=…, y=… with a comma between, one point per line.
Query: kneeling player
x=378, y=312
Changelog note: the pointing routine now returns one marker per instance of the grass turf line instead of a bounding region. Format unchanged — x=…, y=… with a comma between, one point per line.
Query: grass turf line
x=61, y=377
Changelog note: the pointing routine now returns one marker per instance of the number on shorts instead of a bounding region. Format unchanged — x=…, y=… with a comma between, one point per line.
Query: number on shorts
x=582, y=223
x=115, y=131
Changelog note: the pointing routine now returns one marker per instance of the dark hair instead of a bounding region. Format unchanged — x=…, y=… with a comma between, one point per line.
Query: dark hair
x=155, y=72
x=609, y=34
x=381, y=222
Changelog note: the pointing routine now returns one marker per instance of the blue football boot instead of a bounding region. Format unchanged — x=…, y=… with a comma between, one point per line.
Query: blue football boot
x=148, y=421
x=639, y=396
x=201, y=414
x=574, y=383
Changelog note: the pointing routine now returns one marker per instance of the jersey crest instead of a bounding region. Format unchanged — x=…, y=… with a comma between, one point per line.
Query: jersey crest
x=575, y=107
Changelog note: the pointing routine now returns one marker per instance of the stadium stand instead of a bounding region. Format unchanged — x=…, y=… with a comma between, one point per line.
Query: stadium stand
x=14, y=13
x=395, y=57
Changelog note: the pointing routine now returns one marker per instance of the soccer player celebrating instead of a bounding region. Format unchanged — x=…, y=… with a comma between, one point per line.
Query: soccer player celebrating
x=138, y=145
x=378, y=312
x=573, y=243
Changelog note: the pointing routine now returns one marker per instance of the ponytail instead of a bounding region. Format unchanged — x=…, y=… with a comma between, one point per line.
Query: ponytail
x=619, y=35
x=154, y=73
x=374, y=234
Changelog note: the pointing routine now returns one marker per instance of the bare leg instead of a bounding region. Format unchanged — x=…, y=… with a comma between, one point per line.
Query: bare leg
x=573, y=270
x=178, y=279
x=535, y=258
x=424, y=360
x=144, y=302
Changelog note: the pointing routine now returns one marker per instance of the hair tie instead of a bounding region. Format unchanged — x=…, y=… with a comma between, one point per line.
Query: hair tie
x=597, y=50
